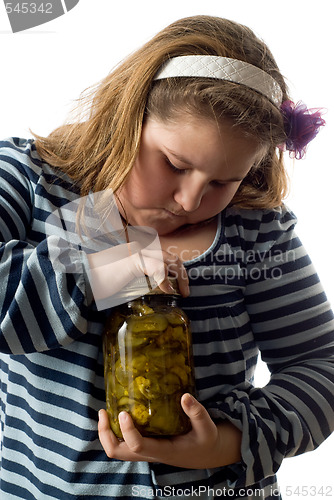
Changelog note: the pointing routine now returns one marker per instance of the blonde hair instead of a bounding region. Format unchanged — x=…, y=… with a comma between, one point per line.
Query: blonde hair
x=98, y=152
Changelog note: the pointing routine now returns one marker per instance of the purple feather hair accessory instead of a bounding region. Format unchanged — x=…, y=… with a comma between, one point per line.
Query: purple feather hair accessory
x=301, y=125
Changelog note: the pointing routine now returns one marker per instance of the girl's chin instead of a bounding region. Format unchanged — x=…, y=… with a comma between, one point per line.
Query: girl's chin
x=164, y=228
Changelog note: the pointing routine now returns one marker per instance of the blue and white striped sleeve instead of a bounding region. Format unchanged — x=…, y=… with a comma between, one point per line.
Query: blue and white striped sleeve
x=293, y=326
x=40, y=307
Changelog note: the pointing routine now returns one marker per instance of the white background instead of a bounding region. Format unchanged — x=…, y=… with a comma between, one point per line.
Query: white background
x=43, y=70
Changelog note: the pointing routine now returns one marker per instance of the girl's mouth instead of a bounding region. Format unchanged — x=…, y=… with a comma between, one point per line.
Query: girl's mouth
x=172, y=214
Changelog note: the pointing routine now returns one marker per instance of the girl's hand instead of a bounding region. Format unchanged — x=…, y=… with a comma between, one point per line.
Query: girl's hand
x=207, y=445
x=161, y=265
x=112, y=269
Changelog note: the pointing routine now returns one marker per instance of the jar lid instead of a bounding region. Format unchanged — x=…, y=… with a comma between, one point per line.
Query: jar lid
x=173, y=282
x=139, y=287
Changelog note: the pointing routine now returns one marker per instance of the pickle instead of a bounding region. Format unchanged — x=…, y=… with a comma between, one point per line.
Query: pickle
x=139, y=339
x=170, y=383
x=175, y=319
x=181, y=372
x=150, y=322
x=125, y=403
x=139, y=364
x=161, y=420
x=115, y=390
x=115, y=427
x=143, y=309
x=170, y=338
x=149, y=387
x=140, y=414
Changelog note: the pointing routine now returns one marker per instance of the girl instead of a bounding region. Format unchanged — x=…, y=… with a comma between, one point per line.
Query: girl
x=188, y=133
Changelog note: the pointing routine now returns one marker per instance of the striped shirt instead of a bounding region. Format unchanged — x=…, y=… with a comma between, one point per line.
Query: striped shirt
x=254, y=290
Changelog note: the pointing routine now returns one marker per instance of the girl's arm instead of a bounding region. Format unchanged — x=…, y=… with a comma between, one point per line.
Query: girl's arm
x=40, y=307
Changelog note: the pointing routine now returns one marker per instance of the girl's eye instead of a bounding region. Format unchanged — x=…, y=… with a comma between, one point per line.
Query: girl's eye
x=218, y=184
x=173, y=167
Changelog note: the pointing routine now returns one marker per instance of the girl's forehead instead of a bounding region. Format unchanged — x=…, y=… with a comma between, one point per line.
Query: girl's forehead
x=202, y=128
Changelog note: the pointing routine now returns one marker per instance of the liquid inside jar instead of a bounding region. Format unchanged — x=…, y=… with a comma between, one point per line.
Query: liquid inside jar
x=148, y=365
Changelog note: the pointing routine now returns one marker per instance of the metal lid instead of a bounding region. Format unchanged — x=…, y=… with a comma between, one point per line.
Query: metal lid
x=173, y=282
x=142, y=286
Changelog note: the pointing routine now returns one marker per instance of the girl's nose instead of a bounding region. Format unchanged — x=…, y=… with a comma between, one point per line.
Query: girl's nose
x=189, y=195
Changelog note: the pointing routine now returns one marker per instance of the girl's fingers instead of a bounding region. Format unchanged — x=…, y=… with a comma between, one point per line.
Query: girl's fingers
x=132, y=436
x=201, y=422
x=138, y=447
x=161, y=265
x=107, y=438
x=133, y=447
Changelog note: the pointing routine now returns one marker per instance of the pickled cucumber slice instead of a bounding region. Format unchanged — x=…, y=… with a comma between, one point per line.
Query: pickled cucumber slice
x=181, y=372
x=133, y=340
x=170, y=383
x=115, y=427
x=143, y=309
x=140, y=414
x=176, y=318
x=149, y=387
x=149, y=323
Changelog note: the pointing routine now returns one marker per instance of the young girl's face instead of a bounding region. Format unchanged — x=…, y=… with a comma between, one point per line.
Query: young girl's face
x=186, y=172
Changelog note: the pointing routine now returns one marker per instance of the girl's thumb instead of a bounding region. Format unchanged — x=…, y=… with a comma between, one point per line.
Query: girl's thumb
x=200, y=419
x=193, y=408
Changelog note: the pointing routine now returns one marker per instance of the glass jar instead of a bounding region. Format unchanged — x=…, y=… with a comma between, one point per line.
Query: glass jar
x=148, y=364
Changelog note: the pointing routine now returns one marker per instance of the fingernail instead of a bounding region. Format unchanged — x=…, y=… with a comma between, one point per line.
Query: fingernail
x=190, y=400
x=170, y=286
x=122, y=417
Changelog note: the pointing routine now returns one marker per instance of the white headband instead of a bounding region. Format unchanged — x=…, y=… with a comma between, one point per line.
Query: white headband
x=223, y=68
